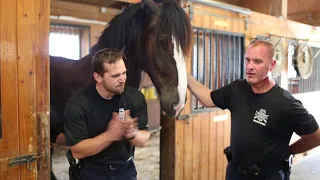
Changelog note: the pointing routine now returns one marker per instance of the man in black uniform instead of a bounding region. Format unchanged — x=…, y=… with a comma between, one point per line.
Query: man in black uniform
x=101, y=141
x=263, y=119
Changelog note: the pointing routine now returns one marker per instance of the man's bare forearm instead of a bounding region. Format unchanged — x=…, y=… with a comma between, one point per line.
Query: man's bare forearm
x=301, y=146
x=92, y=146
x=201, y=92
x=141, y=138
x=306, y=143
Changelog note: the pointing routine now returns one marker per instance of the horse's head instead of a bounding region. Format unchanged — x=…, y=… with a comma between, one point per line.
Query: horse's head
x=156, y=38
x=166, y=40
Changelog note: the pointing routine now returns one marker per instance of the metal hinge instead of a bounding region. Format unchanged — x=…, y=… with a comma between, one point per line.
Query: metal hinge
x=188, y=7
x=186, y=117
x=246, y=23
x=28, y=159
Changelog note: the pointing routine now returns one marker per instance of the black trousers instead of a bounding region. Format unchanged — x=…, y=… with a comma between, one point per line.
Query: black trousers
x=234, y=173
x=108, y=172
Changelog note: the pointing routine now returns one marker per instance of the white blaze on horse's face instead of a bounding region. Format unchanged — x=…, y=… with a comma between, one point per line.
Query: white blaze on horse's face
x=182, y=76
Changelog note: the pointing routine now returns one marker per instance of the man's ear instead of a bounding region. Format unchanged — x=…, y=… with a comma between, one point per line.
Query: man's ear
x=97, y=77
x=273, y=65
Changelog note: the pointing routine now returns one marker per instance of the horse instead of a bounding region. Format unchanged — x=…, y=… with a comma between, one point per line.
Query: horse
x=156, y=39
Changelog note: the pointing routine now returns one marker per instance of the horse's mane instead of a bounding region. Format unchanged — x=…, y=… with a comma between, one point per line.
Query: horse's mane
x=172, y=15
x=125, y=30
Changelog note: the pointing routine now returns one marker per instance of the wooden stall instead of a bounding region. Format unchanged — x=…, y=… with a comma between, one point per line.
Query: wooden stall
x=24, y=62
x=191, y=145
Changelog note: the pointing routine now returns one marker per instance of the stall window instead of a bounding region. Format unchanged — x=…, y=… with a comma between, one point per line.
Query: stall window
x=68, y=41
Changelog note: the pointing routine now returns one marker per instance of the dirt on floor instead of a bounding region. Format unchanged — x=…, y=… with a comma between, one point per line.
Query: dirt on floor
x=147, y=160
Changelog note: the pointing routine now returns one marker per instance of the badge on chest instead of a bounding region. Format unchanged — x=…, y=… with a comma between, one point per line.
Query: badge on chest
x=261, y=117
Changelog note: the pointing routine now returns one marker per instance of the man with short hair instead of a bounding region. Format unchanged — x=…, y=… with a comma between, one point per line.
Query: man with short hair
x=103, y=143
x=263, y=119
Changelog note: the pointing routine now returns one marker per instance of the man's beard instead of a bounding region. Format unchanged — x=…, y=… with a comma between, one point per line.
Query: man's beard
x=117, y=89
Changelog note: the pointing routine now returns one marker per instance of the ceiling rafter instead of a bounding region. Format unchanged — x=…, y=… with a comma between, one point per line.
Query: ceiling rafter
x=83, y=11
x=304, y=11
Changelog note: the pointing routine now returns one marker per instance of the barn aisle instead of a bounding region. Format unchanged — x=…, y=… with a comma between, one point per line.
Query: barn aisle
x=147, y=161
x=307, y=169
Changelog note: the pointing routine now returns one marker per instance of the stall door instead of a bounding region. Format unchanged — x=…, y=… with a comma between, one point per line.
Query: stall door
x=24, y=70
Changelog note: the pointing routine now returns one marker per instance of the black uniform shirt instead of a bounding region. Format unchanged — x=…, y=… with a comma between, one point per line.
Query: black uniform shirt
x=262, y=124
x=87, y=115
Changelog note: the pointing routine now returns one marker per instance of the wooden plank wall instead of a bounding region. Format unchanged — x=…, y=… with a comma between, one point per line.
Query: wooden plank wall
x=218, y=19
x=200, y=145
x=9, y=97
x=24, y=33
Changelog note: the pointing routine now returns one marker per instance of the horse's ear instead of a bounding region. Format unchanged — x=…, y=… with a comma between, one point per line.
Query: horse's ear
x=152, y=5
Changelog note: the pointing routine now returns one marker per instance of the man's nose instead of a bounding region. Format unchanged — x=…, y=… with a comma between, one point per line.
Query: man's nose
x=249, y=65
x=122, y=78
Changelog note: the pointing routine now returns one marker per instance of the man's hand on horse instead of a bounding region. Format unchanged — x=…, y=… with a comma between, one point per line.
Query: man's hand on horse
x=131, y=125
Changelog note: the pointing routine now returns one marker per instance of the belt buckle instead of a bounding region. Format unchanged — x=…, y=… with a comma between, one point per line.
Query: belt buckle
x=120, y=164
x=115, y=167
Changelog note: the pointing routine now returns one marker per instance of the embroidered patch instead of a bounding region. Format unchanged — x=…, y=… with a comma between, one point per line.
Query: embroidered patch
x=261, y=117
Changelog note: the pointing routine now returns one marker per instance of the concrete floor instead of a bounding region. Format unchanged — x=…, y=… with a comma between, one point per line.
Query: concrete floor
x=146, y=159
x=307, y=169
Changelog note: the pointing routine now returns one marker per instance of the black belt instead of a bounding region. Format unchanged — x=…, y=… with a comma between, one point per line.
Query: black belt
x=117, y=164
x=112, y=164
x=256, y=169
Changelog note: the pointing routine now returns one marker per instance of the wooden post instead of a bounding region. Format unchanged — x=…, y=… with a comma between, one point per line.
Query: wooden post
x=167, y=148
x=284, y=8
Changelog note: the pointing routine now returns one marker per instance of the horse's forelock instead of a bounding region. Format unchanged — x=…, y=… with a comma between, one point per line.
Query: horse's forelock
x=172, y=15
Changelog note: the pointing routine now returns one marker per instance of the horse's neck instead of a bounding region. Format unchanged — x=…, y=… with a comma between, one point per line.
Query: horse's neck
x=84, y=69
x=133, y=71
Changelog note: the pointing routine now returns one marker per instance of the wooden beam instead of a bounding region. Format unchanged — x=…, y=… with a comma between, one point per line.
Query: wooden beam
x=233, y=2
x=306, y=11
x=129, y=1
x=303, y=6
x=311, y=18
x=271, y=7
x=284, y=8
x=92, y=2
x=104, y=3
x=83, y=11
